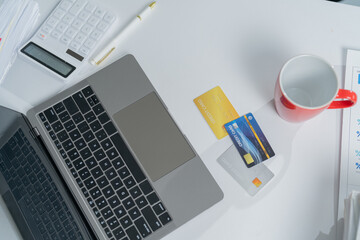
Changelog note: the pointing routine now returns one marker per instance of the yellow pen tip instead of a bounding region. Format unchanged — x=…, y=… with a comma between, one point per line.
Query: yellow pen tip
x=152, y=5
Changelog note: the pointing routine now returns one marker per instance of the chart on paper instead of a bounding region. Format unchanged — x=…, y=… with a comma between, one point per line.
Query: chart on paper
x=350, y=142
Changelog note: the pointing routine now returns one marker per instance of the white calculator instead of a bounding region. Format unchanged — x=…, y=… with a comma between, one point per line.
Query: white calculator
x=68, y=37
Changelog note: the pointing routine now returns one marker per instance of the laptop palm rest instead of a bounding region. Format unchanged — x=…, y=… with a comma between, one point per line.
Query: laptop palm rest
x=154, y=137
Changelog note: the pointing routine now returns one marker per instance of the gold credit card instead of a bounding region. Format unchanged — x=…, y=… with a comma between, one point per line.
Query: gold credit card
x=216, y=109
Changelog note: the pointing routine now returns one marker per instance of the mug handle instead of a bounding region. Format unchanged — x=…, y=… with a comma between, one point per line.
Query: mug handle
x=348, y=99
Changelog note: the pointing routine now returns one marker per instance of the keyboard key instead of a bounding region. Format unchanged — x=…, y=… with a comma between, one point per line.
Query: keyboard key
x=158, y=208
x=119, y=233
x=59, y=107
x=67, y=145
x=165, y=218
x=134, y=213
x=110, y=128
x=113, y=223
x=103, y=118
x=143, y=227
x=102, y=182
x=80, y=144
x=64, y=116
x=128, y=158
x=95, y=126
x=151, y=218
x=95, y=193
x=108, y=192
x=90, y=163
x=81, y=101
x=94, y=145
x=101, y=203
x=145, y=187
x=88, y=136
x=84, y=173
x=85, y=153
x=125, y=222
x=78, y=118
x=128, y=203
x=57, y=126
x=108, y=232
x=133, y=233
x=100, y=135
x=98, y=109
x=70, y=105
x=116, y=183
x=73, y=154
x=152, y=198
x=123, y=172
x=111, y=173
x=87, y=91
x=129, y=182
x=107, y=213
x=83, y=127
x=69, y=126
x=78, y=164
x=122, y=193
x=141, y=202
x=89, y=183
x=135, y=192
x=96, y=172
x=106, y=144
x=105, y=164
x=114, y=201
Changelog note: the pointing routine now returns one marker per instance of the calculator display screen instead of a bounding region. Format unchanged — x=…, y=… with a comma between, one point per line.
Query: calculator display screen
x=48, y=59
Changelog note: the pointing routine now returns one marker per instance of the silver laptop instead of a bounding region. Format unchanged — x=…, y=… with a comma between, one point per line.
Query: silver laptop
x=102, y=160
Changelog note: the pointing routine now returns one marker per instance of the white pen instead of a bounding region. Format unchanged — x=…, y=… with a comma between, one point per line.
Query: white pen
x=109, y=48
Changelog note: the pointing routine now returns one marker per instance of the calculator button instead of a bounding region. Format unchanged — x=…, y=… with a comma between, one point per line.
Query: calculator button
x=75, y=45
x=65, y=5
x=86, y=29
x=78, y=5
x=102, y=26
x=90, y=7
x=56, y=34
x=46, y=29
x=85, y=51
x=93, y=20
x=71, y=32
x=42, y=35
x=80, y=37
x=99, y=12
x=109, y=17
x=65, y=39
x=68, y=19
x=52, y=21
x=58, y=13
x=96, y=34
x=89, y=43
x=84, y=15
x=61, y=27
x=77, y=23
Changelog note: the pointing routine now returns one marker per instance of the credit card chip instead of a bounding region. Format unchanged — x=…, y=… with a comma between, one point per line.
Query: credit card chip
x=248, y=158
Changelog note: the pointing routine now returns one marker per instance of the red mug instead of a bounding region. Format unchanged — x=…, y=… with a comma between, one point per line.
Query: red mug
x=306, y=86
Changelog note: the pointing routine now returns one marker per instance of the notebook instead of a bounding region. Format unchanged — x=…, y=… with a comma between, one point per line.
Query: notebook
x=103, y=159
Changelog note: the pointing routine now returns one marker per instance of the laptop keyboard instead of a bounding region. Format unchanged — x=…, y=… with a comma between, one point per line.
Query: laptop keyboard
x=112, y=182
x=35, y=192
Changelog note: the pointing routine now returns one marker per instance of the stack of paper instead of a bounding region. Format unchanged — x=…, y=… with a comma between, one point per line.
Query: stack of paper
x=18, y=19
x=351, y=217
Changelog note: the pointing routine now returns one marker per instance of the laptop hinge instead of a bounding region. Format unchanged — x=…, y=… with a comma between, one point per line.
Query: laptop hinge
x=34, y=132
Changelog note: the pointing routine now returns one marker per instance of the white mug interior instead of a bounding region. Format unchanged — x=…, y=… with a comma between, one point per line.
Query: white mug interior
x=308, y=81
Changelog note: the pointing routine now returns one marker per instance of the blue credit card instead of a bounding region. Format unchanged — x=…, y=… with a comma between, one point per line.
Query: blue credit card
x=249, y=140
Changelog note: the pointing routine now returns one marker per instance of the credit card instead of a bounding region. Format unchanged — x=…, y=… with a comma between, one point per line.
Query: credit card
x=251, y=179
x=216, y=109
x=249, y=140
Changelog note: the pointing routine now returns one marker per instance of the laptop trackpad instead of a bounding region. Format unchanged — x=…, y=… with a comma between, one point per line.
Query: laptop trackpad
x=153, y=136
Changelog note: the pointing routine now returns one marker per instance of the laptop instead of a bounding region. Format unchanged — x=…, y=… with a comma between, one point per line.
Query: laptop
x=103, y=159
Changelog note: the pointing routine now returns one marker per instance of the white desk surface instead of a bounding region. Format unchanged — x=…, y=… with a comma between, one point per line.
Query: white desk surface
x=188, y=47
